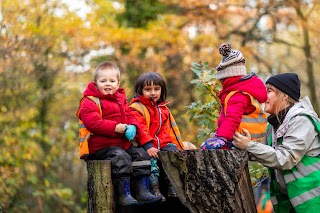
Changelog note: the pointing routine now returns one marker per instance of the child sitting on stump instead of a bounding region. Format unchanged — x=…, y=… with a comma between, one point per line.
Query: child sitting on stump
x=159, y=132
x=112, y=130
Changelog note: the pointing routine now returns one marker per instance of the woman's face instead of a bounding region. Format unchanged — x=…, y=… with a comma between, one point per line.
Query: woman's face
x=270, y=103
x=152, y=91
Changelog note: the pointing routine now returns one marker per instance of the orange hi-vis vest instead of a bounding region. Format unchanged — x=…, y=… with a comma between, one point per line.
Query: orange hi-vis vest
x=174, y=131
x=255, y=122
x=84, y=134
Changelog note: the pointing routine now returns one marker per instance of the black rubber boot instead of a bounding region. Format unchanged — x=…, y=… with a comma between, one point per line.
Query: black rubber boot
x=143, y=194
x=154, y=187
x=172, y=192
x=125, y=198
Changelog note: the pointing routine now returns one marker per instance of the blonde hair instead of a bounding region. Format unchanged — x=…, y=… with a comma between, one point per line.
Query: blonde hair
x=282, y=100
x=106, y=65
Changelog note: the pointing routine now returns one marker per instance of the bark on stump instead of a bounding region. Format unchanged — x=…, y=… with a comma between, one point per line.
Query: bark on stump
x=100, y=187
x=211, y=180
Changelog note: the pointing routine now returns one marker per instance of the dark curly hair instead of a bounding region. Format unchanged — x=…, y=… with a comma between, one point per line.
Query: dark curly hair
x=146, y=79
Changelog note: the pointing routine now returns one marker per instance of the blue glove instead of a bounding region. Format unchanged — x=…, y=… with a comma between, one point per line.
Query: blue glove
x=213, y=143
x=130, y=132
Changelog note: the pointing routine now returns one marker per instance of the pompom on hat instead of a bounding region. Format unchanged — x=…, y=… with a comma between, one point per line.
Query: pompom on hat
x=232, y=63
x=288, y=83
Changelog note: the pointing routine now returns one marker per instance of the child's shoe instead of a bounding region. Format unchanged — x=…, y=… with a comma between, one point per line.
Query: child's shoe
x=213, y=143
x=125, y=198
x=154, y=187
x=172, y=192
x=143, y=194
x=228, y=146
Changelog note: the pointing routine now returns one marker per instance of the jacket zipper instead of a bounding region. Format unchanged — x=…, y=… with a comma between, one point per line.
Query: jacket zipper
x=160, y=116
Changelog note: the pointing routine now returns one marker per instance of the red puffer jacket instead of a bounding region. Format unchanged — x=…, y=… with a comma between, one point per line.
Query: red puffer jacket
x=238, y=104
x=115, y=110
x=158, y=131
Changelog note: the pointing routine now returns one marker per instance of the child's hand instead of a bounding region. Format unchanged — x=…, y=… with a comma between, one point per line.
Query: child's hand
x=120, y=128
x=130, y=132
x=153, y=152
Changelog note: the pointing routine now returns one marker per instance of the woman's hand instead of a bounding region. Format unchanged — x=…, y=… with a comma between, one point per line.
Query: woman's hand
x=153, y=152
x=241, y=141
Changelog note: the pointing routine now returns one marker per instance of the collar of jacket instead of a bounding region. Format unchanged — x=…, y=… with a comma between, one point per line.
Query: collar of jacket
x=276, y=120
x=92, y=90
x=149, y=101
x=302, y=107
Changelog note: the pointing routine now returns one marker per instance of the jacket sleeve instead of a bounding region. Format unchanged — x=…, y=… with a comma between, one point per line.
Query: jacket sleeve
x=133, y=121
x=236, y=108
x=93, y=121
x=144, y=136
x=298, y=139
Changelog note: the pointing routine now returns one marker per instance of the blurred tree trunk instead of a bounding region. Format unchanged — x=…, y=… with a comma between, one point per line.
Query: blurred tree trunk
x=211, y=180
x=308, y=56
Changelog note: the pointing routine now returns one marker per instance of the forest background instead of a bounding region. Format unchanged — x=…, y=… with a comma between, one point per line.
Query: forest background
x=49, y=49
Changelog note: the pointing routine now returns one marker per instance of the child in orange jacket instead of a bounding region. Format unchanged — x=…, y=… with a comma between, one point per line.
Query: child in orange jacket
x=151, y=93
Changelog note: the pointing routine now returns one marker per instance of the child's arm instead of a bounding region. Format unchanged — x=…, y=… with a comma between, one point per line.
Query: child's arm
x=153, y=152
x=120, y=128
x=144, y=135
x=133, y=121
x=236, y=108
x=92, y=119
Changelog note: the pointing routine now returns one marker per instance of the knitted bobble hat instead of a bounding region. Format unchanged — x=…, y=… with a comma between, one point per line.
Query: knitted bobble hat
x=288, y=83
x=232, y=63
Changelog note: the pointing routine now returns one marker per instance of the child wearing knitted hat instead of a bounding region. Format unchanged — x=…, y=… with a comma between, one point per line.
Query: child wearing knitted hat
x=241, y=98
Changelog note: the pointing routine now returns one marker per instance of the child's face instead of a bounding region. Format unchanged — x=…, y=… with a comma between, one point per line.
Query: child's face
x=152, y=91
x=107, y=81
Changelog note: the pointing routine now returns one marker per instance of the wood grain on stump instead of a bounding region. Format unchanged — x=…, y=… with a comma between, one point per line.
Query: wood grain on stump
x=100, y=187
x=211, y=180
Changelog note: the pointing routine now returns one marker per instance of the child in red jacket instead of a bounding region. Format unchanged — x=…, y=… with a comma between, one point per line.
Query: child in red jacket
x=112, y=129
x=241, y=100
x=151, y=93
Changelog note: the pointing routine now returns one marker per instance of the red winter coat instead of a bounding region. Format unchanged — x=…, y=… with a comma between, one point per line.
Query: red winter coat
x=238, y=104
x=158, y=131
x=115, y=110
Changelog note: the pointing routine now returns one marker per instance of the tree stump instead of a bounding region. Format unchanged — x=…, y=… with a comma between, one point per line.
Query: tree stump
x=211, y=180
x=100, y=187
x=206, y=181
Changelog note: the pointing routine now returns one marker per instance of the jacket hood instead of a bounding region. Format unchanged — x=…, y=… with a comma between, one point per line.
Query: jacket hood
x=92, y=90
x=250, y=84
x=304, y=106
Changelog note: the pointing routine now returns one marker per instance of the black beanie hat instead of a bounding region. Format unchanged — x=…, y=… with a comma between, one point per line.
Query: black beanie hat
x=288, y=83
